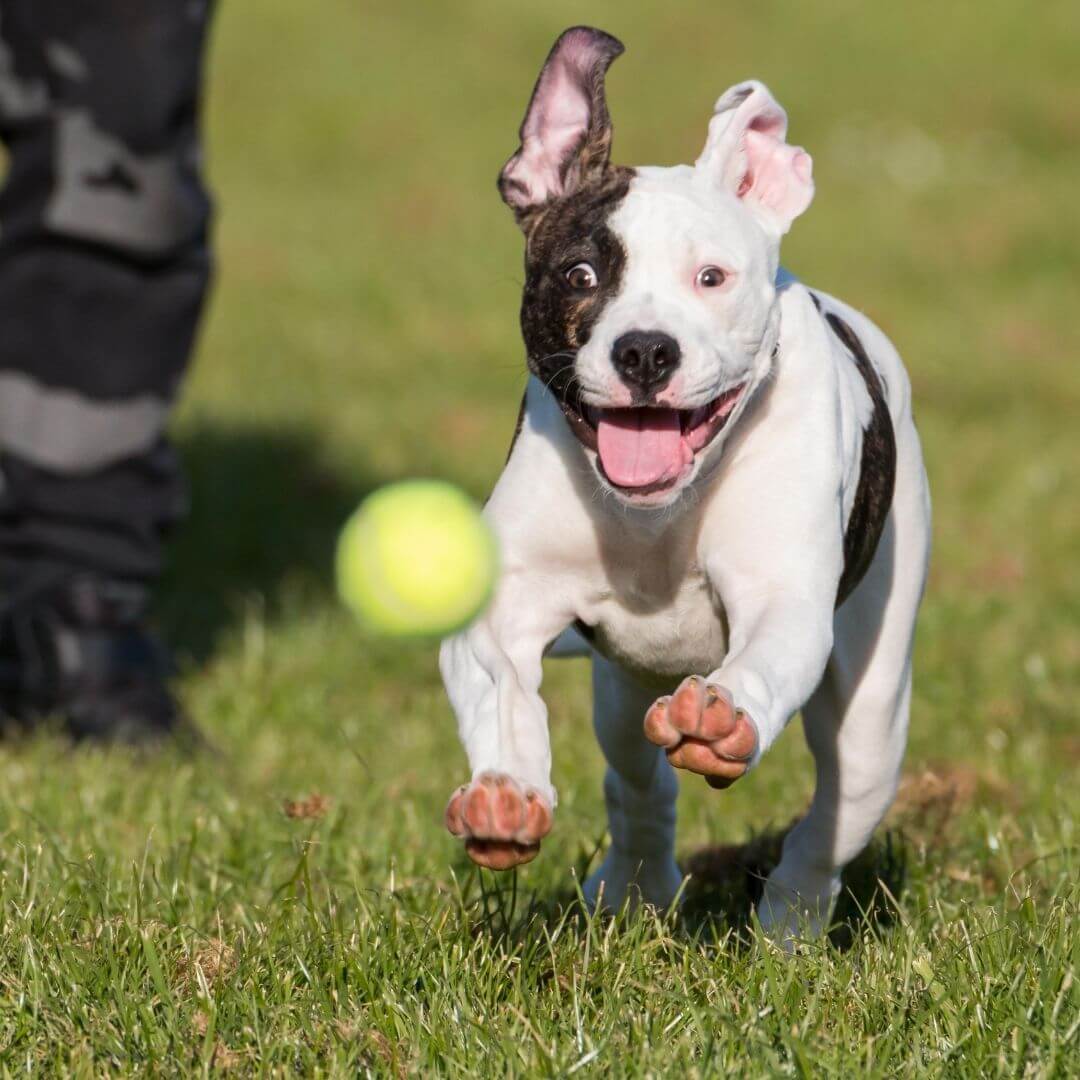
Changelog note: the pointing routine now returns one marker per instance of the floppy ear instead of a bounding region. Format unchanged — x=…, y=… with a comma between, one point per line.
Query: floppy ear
x=566, y=133
x=746, y=153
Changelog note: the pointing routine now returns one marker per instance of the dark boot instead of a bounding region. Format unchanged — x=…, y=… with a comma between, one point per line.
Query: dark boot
x=79, y=649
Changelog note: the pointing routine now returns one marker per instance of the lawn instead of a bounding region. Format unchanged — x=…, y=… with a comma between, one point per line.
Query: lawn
x=287, y=900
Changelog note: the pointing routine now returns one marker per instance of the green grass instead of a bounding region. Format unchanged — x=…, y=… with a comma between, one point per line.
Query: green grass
x=165, y=915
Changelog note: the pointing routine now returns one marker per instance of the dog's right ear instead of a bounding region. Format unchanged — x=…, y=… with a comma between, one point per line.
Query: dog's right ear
x=566, y=133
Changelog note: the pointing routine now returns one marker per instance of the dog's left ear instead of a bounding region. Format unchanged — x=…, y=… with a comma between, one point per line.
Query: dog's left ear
x=566, y=133
x=746, y=153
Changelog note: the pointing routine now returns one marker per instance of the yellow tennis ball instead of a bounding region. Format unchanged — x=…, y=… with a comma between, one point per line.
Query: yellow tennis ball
x=416, y=558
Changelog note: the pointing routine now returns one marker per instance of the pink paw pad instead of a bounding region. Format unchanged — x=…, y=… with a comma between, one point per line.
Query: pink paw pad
x=702, y=731
x=501, y=821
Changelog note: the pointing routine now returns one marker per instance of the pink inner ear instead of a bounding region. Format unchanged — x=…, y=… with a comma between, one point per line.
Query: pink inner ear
x=556, y=122
x=778, y=176
x=559, y=118
x=560, y=102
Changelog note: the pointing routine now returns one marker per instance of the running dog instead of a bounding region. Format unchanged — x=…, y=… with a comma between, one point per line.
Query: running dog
x=716, y=489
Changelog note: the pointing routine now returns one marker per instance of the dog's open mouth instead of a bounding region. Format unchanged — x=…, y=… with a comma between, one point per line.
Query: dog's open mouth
x=649, y=449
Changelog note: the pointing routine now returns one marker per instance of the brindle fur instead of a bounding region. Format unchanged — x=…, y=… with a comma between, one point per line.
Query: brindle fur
x=519, y=424
x=569, y=228
x=877, y=470
x=556, y=319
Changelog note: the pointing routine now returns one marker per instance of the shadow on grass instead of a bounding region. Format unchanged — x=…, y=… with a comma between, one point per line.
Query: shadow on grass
x=725, y=882
x=265, y=513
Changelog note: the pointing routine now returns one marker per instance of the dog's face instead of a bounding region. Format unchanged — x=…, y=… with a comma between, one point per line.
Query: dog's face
x=649, y=303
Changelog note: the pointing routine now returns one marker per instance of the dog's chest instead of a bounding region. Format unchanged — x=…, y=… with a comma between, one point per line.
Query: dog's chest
x=660, y=620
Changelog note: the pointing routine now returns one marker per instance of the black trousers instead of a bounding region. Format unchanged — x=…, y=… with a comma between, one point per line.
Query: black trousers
x=104, y=266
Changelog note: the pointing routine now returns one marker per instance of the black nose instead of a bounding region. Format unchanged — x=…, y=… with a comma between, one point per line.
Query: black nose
x=645, y=359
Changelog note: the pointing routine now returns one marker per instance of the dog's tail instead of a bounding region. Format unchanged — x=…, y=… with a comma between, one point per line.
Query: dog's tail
x=569, y=643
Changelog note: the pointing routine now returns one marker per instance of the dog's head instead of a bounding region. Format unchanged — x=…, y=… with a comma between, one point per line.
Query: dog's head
x=649, y=307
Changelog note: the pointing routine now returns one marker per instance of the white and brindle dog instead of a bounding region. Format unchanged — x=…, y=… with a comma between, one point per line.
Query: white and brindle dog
x=716, y=490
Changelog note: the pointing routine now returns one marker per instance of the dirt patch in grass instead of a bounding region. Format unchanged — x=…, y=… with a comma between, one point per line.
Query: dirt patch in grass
x=930, y=797
x=215, y=960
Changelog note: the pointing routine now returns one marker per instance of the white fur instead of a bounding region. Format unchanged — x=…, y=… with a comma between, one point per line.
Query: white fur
x=751, y=540
x=673, y=223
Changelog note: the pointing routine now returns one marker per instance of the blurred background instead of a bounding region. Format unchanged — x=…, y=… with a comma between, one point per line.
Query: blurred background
x=364, y=329
x=365, y=322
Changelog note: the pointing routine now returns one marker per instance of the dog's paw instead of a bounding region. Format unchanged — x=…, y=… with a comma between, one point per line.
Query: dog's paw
x=701, y=731
x=501, y=821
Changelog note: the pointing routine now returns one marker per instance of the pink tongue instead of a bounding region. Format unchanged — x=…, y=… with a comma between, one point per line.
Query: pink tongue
x=639, y=447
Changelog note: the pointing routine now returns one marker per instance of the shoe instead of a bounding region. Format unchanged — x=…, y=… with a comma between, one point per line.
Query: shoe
x=78, y=649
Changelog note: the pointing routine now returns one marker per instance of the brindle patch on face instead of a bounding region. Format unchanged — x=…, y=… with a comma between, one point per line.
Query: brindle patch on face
x=556, y=319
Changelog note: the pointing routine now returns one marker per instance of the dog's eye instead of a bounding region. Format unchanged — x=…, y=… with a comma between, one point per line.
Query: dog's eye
x=581, y=276
x=711, y=277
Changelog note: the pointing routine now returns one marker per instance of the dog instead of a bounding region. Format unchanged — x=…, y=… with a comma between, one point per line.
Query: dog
x=716, y=490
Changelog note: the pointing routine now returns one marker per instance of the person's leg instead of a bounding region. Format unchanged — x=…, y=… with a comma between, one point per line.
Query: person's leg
x=104, y=264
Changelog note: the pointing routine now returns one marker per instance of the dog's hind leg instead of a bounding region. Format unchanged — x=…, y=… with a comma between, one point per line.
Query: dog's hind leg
x=640, y=789
x=856, y=725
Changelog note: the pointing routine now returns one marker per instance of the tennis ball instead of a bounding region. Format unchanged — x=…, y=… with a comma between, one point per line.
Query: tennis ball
x=416, y=558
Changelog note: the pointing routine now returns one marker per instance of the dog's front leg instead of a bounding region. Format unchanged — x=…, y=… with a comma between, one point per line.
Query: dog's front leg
x=720, y=724
x=492, y=673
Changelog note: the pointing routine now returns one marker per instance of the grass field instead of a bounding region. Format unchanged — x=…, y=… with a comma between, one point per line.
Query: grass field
x=167, y=915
